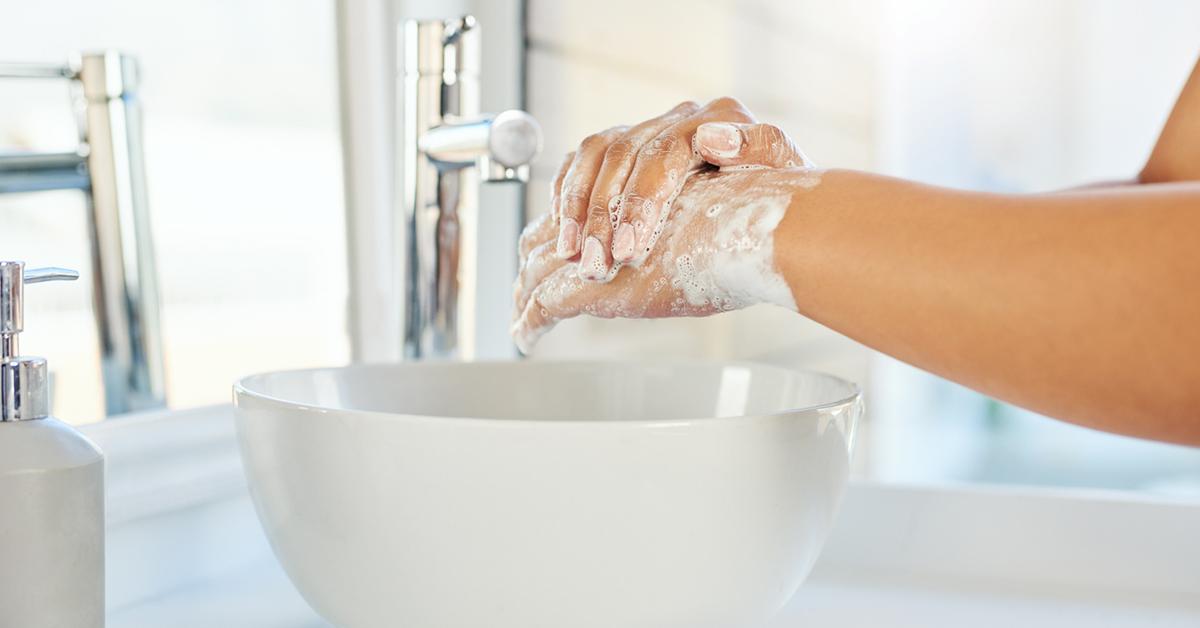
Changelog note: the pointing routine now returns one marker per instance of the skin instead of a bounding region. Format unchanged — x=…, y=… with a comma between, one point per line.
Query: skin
x=720, y=222
x=1081, y=304
x=617, y=187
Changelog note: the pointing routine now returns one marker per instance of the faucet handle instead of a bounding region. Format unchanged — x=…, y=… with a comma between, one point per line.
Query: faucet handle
x=500, y=146
x=515, y=138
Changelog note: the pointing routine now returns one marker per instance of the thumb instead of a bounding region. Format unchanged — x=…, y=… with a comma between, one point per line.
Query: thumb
x=729, y=144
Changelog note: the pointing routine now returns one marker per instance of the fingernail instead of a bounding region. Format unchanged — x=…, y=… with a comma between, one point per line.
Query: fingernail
x=721, y=139
x=643, y=232
x=522, y=337
x=568, y=238
x=591, y=264
x=623, y=243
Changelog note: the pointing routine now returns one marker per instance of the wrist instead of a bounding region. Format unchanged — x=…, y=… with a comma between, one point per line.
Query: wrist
x=743, y=266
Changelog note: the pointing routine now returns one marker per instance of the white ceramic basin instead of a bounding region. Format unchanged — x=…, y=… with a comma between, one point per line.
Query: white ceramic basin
x=547, y=495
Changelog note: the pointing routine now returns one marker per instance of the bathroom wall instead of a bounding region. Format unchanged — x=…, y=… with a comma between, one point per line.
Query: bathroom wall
x=807, y=66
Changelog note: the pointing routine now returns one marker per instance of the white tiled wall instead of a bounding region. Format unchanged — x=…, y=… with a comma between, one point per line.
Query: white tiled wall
x=806, y=66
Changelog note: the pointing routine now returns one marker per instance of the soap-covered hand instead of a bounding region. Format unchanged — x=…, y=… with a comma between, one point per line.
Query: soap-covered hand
x=612, y=195
x=715, y=254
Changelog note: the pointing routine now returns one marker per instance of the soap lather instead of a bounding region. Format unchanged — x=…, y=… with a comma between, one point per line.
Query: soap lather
x=51, y=486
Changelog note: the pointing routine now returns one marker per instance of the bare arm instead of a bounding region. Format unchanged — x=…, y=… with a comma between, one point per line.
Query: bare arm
x=1080, y=305
x=1176, y=156
x=1083, y=305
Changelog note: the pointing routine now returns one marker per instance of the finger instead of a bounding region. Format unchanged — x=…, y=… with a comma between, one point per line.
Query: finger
x=556, y=187
x=533, y=323
x=559, y=296
x=538, y=232
x=577, y=189
x=604, y=208
x=658, y=174
x=543, y=261
x=729, y=144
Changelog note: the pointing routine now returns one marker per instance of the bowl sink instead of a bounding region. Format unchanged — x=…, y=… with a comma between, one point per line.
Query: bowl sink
x=547, y=494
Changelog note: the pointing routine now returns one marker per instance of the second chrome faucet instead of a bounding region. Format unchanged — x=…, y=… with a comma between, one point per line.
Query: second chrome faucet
x=449, y=149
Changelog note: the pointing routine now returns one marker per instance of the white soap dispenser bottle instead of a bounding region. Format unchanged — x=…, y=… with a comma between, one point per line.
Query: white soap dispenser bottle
x=51, y=488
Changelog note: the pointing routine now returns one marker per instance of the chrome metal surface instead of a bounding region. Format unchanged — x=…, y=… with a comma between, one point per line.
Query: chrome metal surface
x=367, y=76
x=36, y=70
x=12, y=307
x=510, y=139
x=110, y=168
x=125, y=278
x=37, y=172
x=24, y=382
x=448, y=148
x=24, y=389
x=50, y=273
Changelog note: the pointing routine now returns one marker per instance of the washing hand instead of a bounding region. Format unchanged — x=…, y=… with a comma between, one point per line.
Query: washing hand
x=715, y=255
x=612, y=195
x=625, y=189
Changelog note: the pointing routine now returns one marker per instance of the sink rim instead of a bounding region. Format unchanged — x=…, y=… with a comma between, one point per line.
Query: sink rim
x=242, y=390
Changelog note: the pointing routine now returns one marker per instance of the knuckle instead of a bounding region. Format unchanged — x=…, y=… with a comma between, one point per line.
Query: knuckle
x=767, y=136
x=597, y=213
x=593, y=142
x=686, y=106
x=726, y=103
x=572, y=195
x=772, y=132
x=620, y=150
x=599, y=141
x=661, y=145
x=599, y=208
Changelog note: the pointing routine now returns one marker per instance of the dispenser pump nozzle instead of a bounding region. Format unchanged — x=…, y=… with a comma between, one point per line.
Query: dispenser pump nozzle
x=23, y=380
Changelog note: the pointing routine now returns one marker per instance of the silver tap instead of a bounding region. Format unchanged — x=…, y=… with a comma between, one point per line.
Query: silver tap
x=449, y=148
x=24, y=389
x=109, y=167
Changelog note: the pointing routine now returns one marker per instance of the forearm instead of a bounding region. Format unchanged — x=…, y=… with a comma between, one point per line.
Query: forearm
x=1080, y=305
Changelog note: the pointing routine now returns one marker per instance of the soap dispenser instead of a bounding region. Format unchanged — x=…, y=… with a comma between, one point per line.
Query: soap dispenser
x=51, y=487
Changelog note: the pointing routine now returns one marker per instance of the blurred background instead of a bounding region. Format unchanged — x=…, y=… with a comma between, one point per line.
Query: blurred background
x=244, y=138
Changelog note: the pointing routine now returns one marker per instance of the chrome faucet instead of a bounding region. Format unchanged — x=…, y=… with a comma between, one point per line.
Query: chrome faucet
x=109, y=168
x=448, y=149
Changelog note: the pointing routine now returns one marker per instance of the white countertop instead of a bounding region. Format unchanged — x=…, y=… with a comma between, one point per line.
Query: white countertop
x=185, y=550
x=262, y=597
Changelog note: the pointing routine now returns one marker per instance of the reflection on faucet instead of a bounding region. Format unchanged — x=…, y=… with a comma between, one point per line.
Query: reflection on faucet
x=109, y=167
x=448, y=149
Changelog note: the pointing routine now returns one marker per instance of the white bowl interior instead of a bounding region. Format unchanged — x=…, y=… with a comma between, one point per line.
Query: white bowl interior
x=557, y=391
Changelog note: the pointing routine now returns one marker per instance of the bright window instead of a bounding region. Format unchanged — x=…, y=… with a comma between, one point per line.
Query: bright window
x=243, y=161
